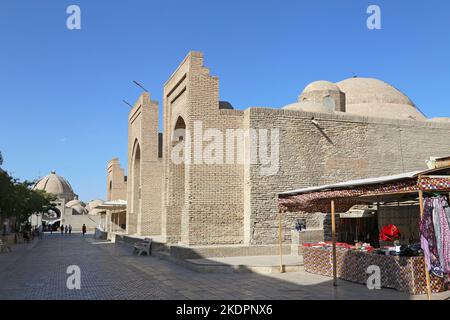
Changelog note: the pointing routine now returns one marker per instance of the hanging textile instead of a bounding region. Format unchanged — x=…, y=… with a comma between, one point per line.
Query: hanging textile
x=432, y=183
x=444, y=248
x=428, y=239
x=435, y=203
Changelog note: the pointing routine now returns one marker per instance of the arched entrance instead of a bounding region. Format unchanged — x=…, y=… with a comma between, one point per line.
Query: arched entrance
x=136, y=189
x=177, y=181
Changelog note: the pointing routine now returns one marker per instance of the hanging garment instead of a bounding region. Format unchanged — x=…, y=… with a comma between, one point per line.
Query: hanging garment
x=447, y=211
x=437, y=226
x=444, y=252
x=428, y=239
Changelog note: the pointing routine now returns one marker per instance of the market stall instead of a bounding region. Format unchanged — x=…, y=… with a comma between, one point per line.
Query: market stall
x=423, y=266
x=403, y=273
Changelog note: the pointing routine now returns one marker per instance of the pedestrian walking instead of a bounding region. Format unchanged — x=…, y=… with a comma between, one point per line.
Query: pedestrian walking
x=70, y=229
x=83, y=229
x=41, y=231
x=62, y=229
x=66, y=229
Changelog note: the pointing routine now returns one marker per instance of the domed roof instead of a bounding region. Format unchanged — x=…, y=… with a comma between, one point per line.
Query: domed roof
x=74, y=203
x=79, y=209
x=321, y=85
x=309, y=107
x=376, y=98
x=440, y=119
x=369, y=90
x=92, y=206
x=56, y=185
x=94, y=203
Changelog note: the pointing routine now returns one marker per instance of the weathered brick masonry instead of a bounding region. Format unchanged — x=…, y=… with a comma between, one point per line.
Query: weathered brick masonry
x=211, y=204
x=144, y=169
x=345, y=147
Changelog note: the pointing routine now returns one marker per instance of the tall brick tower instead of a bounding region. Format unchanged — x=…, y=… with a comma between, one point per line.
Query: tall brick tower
x=144, y=169
x=116, y=181
x=202, y=202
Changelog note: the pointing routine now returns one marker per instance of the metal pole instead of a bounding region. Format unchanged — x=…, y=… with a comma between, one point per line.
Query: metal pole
x=333, y=236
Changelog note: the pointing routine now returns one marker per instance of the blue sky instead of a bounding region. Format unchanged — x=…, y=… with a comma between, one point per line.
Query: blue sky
x=61, y=90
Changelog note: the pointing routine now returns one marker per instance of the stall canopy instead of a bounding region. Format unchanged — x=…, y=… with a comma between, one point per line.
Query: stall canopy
x=340, y=197
x=113, y=205
x=397, y=187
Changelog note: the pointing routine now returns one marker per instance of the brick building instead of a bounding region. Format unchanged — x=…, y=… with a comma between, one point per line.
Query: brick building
x=237, y=161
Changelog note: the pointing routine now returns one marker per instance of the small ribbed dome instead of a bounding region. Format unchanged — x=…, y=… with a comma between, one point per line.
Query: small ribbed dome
x=321, y=86
x=77, y=207
x=92, y=207
x=56, y=185
x=79, y=210
x=318, y=97
x=74, y=203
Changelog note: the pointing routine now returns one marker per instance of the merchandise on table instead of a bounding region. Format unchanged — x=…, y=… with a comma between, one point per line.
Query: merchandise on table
x=402, y=273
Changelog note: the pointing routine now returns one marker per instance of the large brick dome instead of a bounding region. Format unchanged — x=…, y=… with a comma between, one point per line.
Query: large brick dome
x=376, y=98
x=56, y=185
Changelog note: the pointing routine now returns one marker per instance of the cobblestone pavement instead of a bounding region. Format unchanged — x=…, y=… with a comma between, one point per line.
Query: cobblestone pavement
x=38, y=271
x=110, y=271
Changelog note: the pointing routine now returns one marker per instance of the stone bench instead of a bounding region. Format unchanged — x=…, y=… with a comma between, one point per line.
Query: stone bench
x=143, y=246
x=4, y=248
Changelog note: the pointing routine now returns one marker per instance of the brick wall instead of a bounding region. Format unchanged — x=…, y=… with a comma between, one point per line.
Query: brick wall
x=144, y=169
x=116, y=185
x=344, y=147
x=205, y=204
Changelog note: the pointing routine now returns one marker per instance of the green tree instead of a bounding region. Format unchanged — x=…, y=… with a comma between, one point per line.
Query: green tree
x=18, y=201
x=6, y=191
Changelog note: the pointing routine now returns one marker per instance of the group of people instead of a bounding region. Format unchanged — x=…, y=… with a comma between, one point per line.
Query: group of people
x=68, y=229
x=65, y=229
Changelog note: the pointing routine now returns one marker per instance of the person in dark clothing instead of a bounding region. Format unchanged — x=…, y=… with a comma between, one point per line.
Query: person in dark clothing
x=83, y=229
x=62, y=229
x=26, y=236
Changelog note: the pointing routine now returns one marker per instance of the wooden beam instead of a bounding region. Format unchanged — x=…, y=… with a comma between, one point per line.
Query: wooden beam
x=280, y=240
x=427, y=272
x=333, y=236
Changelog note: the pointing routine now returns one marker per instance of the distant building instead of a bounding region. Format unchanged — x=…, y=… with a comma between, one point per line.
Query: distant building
x=67, y=209
x=113, y=216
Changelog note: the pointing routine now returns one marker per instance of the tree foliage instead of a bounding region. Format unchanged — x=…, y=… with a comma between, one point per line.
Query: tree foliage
x=19, y=201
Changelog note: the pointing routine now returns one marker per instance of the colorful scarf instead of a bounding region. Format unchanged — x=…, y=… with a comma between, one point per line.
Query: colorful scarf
x=428, y=239
x=444, y=249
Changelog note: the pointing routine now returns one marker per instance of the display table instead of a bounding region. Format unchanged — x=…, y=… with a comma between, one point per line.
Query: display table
x=401, y=273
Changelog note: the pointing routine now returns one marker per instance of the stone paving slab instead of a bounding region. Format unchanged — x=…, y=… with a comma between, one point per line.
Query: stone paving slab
x=255, y=261
x=111, y=271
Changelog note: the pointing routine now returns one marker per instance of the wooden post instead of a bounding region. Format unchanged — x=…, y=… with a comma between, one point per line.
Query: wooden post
x=280, y=240
x=427, y=273
x=333, y=236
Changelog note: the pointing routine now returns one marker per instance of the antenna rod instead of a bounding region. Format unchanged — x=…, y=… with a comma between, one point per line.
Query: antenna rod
x=127, y=103
x=140, y=85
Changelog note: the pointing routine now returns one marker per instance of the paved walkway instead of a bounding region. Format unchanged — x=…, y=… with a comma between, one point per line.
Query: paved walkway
x=257, y=261
x=110, y=271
